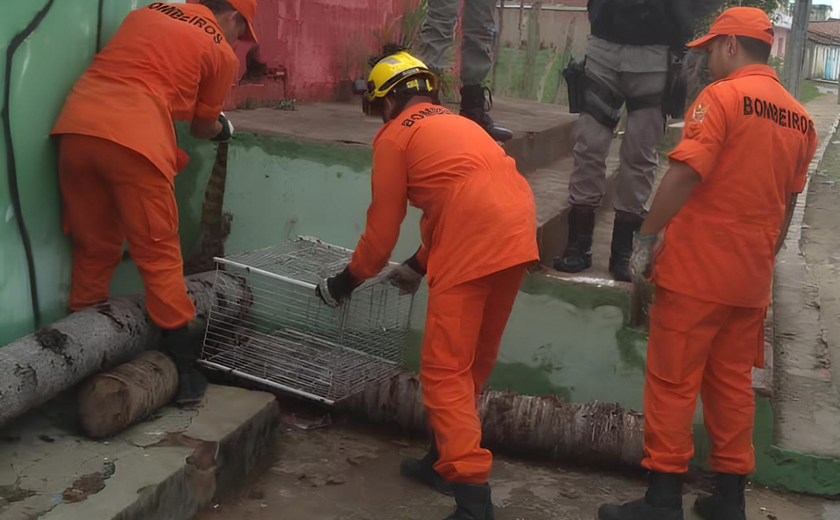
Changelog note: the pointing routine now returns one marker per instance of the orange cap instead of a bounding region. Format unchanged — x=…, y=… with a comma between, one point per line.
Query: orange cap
x=739, y=21
x=248, y=9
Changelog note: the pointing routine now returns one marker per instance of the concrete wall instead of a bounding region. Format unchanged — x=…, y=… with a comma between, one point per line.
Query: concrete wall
x=535, y=46
x=559, y=335
x=321, y=42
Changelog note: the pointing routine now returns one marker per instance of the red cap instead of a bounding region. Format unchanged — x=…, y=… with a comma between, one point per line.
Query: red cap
x=739, y=21
x=248, y=9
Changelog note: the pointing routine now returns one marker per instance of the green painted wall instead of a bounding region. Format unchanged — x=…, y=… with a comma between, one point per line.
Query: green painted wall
x=44, y=69
x=277, y=188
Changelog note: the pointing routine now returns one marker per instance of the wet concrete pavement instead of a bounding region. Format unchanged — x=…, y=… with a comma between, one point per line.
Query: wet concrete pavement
x=350, y=472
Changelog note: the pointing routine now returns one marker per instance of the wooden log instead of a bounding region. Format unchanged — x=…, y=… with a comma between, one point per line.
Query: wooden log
x=541, y=427
x=37, y=367
x=111, y=401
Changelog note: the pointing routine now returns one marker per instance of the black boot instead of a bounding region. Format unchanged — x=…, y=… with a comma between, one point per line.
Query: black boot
x=184, y=345
x=473, y=501
x=727, y=502
x=423, y=471
x=624, y=227
x=663, y=501
x=578, y=254
x=475, y=106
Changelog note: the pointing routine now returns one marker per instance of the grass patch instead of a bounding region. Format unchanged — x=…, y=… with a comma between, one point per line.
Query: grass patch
x=810, y=91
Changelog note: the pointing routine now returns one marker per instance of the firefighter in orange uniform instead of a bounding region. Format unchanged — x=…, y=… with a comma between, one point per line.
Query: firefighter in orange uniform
x=118, y=156
x=478, y=235
x=712, y=234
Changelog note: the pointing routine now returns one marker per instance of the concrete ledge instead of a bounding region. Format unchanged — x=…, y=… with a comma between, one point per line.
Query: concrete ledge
x=542, y=133
x=797, y=471
x=163, y=469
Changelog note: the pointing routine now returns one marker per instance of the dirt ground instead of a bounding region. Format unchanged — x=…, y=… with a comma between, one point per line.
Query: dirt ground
x=350, y=472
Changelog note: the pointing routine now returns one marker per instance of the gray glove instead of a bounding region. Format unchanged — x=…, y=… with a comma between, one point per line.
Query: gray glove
x=641, y=261
x=404, y=278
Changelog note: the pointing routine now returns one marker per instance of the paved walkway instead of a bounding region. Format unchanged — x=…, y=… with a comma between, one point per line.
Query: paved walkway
x=806, y=372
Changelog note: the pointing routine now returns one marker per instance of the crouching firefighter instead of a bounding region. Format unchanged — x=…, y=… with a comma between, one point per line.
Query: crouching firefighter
x=633, y=60
x=118, y=157
x=478, y=234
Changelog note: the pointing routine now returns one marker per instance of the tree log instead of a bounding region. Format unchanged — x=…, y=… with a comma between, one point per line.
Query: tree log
x=37, y=367
x=545, y=428
x=111, y=401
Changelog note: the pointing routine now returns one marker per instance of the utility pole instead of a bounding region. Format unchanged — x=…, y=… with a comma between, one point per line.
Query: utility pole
x=795, y=50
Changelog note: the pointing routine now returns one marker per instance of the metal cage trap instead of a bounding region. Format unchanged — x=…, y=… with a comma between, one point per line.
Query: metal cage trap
x=289, y=340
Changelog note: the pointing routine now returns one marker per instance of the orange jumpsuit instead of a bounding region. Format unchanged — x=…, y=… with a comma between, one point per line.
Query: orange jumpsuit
x=478, y=234
x=751, y=143
x=118, y=153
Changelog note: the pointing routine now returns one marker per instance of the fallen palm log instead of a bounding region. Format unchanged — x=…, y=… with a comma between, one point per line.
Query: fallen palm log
x=37, y=367
x=111, y=401
x=540, y=427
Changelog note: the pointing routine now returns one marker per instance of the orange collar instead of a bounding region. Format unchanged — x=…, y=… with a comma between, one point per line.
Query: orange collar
x=754, y=70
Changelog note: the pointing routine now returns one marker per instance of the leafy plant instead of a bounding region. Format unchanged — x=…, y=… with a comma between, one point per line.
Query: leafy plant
x=405, y=28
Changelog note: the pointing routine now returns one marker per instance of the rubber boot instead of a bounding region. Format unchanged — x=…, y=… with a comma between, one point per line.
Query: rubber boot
x=475, y=106
x=663, y=501
x=423, y=471
x=473, y=501
x=578, y=254
x=184, y=345
x=727, y=502
x=624, y=227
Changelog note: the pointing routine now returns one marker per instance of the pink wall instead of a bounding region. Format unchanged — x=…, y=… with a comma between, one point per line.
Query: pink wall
x=317, y=43
x=780, y=42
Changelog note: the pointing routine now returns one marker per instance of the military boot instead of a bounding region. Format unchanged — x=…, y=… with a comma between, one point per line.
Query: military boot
x=625, y=226
x=727, y=502
x=423, y=471
x=184, y=345
x=475, y=106
x=473, y=501
x=577, y=256
x=663, y=501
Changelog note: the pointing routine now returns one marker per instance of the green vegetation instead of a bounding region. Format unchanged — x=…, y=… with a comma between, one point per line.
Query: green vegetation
x=809, y=91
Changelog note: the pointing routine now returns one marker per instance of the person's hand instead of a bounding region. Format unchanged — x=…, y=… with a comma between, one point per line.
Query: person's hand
x=645, y=250
x=227, y=129
x=404, y=278
x=335, y=290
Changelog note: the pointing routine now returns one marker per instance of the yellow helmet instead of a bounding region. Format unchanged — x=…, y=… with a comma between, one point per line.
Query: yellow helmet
x=394, y=70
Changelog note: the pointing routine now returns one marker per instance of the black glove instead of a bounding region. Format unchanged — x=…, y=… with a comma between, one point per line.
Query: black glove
x=335, y=290
x=415, y=264
x=227, y=129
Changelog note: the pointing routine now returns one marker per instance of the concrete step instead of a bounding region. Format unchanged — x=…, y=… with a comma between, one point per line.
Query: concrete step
x=162, y=469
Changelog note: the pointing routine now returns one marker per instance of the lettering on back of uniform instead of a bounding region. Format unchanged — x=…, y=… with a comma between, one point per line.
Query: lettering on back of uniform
x=422, y=114
x=175, y=13
x=783, y=117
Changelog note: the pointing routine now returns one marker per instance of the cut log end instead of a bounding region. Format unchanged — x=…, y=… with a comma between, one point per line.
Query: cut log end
x=112, y=401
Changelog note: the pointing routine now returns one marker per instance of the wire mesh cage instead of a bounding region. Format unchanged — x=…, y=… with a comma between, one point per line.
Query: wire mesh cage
x=289, y=340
